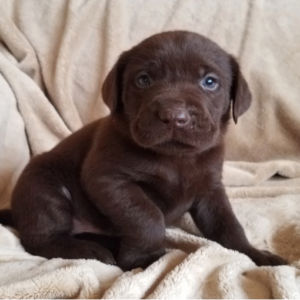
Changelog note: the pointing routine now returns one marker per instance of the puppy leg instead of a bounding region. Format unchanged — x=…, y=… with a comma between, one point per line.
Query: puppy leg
x=6, y=217
x=44, y=219
x=139, y=221
x=66, y=246
x=112, y=243
x=214, y=217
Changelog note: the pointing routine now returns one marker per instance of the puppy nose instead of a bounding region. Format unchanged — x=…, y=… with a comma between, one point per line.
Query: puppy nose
x=175, y=117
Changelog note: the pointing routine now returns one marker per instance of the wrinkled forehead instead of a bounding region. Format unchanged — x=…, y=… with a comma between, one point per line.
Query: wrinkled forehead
x=179, y=53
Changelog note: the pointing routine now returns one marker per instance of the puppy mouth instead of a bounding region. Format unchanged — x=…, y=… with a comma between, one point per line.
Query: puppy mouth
x=155, y=135
x=175, y=144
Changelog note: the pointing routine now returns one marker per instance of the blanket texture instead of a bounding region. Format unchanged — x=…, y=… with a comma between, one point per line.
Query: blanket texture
x=54, y=56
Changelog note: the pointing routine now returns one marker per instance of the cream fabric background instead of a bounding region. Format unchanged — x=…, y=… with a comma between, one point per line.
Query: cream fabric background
x=54, y=55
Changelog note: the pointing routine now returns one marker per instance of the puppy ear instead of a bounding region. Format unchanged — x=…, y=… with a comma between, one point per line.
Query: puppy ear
x=112, y=86
x=240, y=93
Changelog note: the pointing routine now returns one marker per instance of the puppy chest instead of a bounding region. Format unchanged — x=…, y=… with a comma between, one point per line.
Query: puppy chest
x=175, y=194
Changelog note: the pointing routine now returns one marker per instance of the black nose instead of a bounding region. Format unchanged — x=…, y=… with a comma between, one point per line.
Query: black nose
x=175, y=117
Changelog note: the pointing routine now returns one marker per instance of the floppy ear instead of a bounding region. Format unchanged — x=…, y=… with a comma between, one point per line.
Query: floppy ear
x=240, y=93
x=112, y=87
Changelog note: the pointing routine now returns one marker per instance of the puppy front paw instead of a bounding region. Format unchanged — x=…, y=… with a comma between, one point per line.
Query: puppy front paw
x=91, y=250
x=130, y=258
x=266, y=258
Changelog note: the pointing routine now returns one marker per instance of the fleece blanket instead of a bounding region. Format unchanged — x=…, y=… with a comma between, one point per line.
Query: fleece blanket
x=54, y=56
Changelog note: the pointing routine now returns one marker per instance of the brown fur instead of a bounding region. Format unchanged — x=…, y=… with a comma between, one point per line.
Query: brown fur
x=158, y=155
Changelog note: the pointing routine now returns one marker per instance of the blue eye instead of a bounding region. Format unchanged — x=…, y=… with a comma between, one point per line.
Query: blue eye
x=209, y=83
x=143, y=81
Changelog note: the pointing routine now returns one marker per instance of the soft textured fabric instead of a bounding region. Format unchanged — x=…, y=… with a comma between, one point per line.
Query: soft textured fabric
x=193, y=267
x=54, y=56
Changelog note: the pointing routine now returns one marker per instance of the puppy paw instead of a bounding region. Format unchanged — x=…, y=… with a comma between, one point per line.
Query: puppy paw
x=91, y=250
x=71, y=248
x=266, y=258
x=101, y=254
x=129, y=259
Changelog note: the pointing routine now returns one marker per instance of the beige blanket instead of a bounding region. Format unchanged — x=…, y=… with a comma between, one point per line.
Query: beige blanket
x=54, y=56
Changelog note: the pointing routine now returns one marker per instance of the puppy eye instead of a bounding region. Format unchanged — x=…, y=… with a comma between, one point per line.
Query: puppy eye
x=210, y=83
x=142, y=81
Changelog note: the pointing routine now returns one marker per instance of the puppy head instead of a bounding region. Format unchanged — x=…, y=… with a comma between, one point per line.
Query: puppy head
x=174, y=90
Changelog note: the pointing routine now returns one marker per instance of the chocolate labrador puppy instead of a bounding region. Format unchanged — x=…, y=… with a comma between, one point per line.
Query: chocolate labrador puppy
x=158, y=155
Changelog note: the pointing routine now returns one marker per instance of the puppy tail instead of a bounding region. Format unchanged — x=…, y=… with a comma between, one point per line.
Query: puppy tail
x=6, y=217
